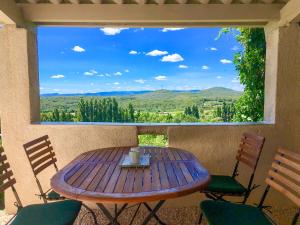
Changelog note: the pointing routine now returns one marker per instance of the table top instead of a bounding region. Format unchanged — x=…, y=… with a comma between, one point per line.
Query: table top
x=97, y=176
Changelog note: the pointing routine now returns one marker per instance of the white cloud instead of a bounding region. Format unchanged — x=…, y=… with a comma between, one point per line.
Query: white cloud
x=171, y=29
x=235, y=48
x=92, y=84
x=219, y=77
x=126, y=70
x=204, y=67
x=213, y=49
x=157, y=53
x=90, y=73
x=116, y=83
x=118, y=74
x=133, y=52
x=107, y=75
x=172, y=58
x=235, y=80
x=94, y=71
x=58, y=76
x=183, y=66
x=112, y=30
x=77, y=48
x=225, y=61
x=160, y=77
x=100, y=75
x=141, y=81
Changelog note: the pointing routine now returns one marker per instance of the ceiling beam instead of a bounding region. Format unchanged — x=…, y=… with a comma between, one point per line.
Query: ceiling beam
x=290, y=13
x=10, y=13
x=151, y=14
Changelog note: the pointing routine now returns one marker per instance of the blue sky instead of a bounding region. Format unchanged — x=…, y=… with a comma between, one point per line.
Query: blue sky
x=81, y=60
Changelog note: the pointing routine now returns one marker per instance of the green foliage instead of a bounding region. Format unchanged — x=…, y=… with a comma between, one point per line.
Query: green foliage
x=157, y=101
x=153, y=140
x=192, y=111
x=226, y=112
x=250, y=64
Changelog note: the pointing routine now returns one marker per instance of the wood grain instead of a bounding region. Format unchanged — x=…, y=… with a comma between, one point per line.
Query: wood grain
x=98, y=177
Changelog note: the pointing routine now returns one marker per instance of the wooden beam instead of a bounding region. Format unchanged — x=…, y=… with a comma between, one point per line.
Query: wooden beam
x=10, y=13
x=151, y=15
x=290, y=13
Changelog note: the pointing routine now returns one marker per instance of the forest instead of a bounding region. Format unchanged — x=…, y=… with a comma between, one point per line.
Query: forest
x=170, y=107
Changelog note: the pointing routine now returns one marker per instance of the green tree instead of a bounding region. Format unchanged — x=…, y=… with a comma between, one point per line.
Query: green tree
x=131, y=112
x=195, y=111
x=250, y=64
x=55, y=116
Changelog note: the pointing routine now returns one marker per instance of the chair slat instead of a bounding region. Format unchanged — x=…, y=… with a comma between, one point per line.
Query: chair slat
x=246, y=161
x=286, y=171
x=285, y=175
x=290, y=154
x=40, y=169
x=5, y=176
x=249, y=149
x=40, y=153
x=36, y=141
x=286, y=182
x=255, y=137
x=287, y=162
x=283, y=191
x=4, y=167
x=7, y=184
x=2, y=158
x=42, y=160
x=247, y=154
x=37, y=148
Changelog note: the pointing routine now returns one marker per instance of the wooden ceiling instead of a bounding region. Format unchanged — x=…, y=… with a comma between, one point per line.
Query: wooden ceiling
x=152, y=1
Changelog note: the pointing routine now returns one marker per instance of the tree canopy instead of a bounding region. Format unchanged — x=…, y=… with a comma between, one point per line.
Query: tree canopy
x=250, y=64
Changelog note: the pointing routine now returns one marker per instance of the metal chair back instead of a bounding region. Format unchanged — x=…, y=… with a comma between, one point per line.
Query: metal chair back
x=6, y=177
x=284, y=177
x=41, y=156
x=249, y=152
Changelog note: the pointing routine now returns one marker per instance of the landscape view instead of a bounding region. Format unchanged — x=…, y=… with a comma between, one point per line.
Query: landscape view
x=151, y=75
x=161, y=106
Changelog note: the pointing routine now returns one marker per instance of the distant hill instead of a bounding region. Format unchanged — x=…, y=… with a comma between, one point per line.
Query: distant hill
x=215, y=91
x=150, y=101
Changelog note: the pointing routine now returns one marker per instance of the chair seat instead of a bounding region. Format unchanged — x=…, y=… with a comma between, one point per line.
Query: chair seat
x=226, y=213
x=52, y=195
x=225, y=185
x=56, y=213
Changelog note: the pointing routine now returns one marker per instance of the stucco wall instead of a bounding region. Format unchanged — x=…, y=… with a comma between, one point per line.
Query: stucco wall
x=215, y=145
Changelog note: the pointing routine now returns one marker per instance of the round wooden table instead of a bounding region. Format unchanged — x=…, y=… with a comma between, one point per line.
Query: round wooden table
x=97, y=176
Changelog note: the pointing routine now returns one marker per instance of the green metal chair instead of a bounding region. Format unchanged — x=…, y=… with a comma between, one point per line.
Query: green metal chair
x=284, y=177
x=248, y=153
x=56, y=213
x=41, y=156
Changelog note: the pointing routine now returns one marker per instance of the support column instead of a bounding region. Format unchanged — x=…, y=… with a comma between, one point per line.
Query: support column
x=19, y=101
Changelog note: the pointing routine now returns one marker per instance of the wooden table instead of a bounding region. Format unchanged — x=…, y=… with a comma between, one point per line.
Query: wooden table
x=96, y=176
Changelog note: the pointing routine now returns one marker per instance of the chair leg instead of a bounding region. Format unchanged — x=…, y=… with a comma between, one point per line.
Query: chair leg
x=200, y=218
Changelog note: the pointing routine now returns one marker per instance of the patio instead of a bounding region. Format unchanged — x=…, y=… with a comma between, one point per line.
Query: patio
x=215, y=145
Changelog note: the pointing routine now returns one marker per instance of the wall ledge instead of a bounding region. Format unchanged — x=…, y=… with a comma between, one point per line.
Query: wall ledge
x=151, y=124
